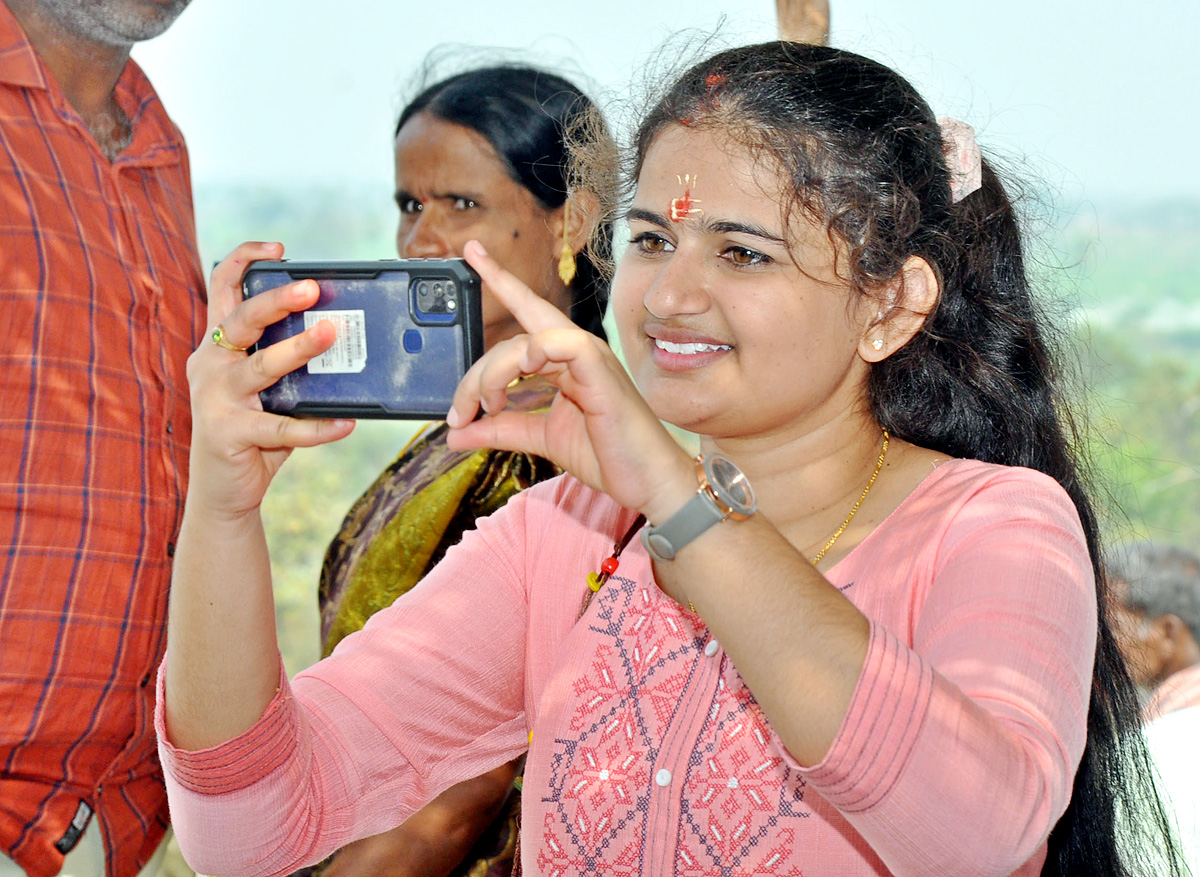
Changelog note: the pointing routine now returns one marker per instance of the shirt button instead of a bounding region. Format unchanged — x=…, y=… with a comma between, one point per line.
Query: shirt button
x=170, y=428
x=663, y=777
x=711, y=648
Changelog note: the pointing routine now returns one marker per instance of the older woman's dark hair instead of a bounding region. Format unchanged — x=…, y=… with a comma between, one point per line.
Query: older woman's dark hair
x=863, y=155
x=532, y=119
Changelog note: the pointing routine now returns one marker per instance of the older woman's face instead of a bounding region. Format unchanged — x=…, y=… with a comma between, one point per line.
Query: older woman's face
x=452, y=187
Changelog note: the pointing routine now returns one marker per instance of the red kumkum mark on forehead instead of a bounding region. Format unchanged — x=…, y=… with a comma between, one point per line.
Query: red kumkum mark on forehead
x=684, y=207
x=709, y=102
x=712, y=83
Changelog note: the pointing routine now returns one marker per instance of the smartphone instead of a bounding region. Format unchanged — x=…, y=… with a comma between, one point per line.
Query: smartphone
x=407, y=331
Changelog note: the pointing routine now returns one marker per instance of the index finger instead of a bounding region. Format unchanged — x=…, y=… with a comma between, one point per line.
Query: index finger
x=225, y=285
x=532, y=311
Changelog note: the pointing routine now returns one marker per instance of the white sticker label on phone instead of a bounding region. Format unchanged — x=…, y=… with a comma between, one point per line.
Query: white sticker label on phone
x=348, y=355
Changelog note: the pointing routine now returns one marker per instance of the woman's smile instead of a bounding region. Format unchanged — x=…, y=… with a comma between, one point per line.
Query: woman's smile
x=680, y=350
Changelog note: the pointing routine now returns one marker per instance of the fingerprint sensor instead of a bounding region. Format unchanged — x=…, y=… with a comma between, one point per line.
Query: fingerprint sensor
x=412, y=341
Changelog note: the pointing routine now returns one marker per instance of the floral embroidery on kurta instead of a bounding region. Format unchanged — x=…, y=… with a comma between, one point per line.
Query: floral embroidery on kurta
x=664, y=762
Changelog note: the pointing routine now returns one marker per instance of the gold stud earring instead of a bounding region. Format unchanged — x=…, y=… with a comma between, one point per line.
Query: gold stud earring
x=877, y=344
x=566, y=259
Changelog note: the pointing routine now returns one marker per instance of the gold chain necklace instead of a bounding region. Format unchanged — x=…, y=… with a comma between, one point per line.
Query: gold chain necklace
x=854, y=508
x=597, y=580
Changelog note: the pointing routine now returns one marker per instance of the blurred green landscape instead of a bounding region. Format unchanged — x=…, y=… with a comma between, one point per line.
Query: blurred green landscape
x=1138, y=324
x=1124, y=277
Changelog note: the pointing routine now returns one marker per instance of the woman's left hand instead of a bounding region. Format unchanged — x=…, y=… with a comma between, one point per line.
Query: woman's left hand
x=599, y=428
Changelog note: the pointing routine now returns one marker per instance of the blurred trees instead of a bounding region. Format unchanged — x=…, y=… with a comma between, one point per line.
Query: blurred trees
x=1139, y=319
x=304, y=509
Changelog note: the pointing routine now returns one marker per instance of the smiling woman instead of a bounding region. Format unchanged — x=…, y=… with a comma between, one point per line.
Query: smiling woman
x=862, y=634
x=710, y=302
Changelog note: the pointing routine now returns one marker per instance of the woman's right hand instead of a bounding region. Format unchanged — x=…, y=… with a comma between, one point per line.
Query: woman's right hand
x=599, y=427
x=236, y=446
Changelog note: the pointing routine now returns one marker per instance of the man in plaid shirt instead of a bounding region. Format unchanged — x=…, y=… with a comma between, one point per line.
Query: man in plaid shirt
x=101, y=301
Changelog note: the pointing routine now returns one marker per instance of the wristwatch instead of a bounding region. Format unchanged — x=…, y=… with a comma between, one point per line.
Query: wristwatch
x=724, y=493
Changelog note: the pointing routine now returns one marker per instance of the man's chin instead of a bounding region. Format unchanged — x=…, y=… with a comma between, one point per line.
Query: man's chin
x=118, y=23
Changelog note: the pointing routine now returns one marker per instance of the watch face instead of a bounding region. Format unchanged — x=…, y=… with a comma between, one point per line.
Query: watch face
x=730, y=484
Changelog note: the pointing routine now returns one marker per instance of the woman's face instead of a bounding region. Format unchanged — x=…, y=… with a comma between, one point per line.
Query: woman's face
x=733, y=323
x=452, y=187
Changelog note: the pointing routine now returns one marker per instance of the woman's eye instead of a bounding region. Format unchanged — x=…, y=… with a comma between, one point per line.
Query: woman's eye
x=651, y=242
x=745, y=256
x=464, y=204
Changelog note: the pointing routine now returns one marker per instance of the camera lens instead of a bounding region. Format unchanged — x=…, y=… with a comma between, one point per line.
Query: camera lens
x=435, y=299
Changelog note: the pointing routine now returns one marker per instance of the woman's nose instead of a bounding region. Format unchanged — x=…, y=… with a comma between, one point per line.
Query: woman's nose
x=421, y=237
x=680, y=287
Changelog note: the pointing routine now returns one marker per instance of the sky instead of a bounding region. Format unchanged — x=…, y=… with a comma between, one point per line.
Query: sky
x=1095, y=98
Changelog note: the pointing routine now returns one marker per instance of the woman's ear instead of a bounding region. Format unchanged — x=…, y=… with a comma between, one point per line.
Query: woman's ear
x=581, y=212
x=899, y=311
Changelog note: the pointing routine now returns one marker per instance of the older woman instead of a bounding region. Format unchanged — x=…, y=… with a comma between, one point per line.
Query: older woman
x=481, y=155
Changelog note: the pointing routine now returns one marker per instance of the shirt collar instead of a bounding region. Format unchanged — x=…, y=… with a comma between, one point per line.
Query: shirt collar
x=156, y=140
x=19, y=63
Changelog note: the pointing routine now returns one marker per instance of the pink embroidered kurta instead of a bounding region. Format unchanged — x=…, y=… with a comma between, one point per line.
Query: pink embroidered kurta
x=649, y=756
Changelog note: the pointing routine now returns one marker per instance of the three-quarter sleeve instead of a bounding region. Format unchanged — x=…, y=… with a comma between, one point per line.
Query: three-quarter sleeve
x=428, y=694
x=959, y=748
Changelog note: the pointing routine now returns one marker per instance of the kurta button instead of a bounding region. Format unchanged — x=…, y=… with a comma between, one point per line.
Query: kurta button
x=711, y=648
x=663, y=777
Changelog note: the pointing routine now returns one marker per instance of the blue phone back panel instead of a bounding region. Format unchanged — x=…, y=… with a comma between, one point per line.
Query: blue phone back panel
x=384, y=364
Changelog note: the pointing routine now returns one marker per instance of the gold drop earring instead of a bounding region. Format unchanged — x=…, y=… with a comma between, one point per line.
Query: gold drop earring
x=566, y=259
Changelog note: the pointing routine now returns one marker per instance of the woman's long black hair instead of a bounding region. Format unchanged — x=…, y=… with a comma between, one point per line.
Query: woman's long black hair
x=864, y=155
x=532, y=119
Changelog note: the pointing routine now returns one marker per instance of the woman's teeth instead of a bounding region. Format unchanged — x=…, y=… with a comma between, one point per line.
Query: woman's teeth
x=688, y=349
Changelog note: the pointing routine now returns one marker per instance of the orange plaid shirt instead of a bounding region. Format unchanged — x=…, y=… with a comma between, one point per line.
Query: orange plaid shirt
x=101, y=301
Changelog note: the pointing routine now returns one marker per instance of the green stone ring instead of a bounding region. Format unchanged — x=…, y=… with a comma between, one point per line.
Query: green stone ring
x=219, y=339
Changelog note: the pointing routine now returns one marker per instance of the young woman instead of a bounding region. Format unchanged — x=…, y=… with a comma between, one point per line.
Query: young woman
x=861, y=635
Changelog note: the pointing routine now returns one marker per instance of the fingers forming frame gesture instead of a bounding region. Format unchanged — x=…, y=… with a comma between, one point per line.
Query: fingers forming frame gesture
x=599, y=428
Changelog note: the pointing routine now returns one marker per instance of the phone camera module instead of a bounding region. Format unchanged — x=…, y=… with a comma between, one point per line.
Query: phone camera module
x=436, y=297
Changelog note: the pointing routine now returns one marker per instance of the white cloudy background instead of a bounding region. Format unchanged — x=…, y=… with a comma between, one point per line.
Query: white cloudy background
x=1098, y=95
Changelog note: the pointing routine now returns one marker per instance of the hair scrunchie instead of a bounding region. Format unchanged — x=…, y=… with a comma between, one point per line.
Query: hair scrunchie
x=963, y=158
